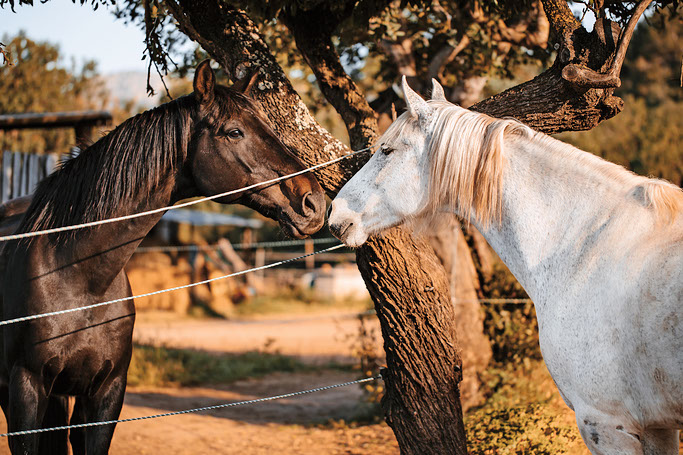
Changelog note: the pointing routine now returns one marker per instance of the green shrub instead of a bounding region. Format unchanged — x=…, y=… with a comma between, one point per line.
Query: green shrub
x=159, y=366
x=517, y=430
x=511, y=327
x=523, y=414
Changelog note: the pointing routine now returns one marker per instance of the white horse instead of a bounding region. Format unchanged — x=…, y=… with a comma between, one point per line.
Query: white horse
x=598, y=248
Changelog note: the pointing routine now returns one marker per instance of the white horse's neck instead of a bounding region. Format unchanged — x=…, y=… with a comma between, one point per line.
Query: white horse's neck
x=556, y=203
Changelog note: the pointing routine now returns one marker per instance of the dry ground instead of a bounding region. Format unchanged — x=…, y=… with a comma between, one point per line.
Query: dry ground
x=313, y=338
x=285, y=426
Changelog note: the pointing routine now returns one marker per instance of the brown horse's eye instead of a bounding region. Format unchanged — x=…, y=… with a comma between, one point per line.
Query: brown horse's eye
x=235, y=134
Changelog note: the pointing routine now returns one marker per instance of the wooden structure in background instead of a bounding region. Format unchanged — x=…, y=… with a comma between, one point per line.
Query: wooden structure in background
x=82, y=122
x=22, y=171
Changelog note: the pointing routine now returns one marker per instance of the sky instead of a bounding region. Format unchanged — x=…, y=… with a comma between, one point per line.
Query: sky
x=80, y=32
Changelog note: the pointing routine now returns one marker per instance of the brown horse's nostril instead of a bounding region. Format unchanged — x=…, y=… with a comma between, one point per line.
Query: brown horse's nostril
x=308, y=204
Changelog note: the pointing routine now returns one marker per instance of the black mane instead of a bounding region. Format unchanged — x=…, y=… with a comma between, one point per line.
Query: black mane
x=133, y=159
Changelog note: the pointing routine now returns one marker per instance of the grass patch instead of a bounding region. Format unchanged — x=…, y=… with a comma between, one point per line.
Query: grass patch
x=524, y=414
x=160, y=366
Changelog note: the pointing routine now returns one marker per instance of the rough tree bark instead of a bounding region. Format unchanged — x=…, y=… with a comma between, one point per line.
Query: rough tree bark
x=234, y=41
x=406, y=282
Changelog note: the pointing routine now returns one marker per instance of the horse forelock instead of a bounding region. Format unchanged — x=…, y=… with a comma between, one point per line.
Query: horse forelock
x=229, y=103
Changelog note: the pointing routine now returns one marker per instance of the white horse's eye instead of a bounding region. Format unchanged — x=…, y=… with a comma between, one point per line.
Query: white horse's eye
x=386, y=150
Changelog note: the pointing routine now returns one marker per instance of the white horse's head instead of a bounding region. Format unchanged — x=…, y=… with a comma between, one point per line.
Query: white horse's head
x=392, y=186
x=436, y=157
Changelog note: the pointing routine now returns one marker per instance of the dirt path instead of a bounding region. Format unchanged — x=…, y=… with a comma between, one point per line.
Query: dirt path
x=313, y=339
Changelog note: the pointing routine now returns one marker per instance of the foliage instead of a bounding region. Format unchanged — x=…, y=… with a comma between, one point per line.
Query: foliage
x=479, y=26
x=94, y=3
x=652, y=70
x=646, y=136
x=159, y=366
x=37, y=81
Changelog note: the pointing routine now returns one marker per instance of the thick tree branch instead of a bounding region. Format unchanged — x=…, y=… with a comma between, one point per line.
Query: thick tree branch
x=312, y=30
x=551, y=103
x=581, y=76
x=232, y=38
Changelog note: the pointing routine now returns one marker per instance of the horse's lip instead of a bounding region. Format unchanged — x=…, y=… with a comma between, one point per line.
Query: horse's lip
x=291, y=228
x=308, y=225
x=340, y=234
x=346, y=228
x=296, y=232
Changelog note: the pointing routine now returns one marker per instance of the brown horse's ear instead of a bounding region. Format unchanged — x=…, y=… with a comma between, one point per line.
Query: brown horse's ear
x=204, y=82
x=246, y=84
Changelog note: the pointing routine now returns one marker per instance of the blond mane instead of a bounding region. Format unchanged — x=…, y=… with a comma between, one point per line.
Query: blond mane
x=467, y=163
x=466, y=156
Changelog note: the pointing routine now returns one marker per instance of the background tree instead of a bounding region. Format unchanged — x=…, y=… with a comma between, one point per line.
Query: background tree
x=405, y=279
x=32, y=65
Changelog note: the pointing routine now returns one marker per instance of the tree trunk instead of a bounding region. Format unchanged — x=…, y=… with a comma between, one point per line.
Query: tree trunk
x=422, y=399
x=455, y=255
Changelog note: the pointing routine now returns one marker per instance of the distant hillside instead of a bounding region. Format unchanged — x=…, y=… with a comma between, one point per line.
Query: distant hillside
x=131, y=86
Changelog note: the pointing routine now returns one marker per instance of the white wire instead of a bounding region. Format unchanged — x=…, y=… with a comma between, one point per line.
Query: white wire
x=123, y=299
x=235, y=246
x=502, y=301
x=187, y=411
x=177, y=206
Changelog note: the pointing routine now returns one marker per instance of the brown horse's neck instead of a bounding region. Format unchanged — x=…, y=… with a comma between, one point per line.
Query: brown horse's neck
x=103, y=251
x=137, y=167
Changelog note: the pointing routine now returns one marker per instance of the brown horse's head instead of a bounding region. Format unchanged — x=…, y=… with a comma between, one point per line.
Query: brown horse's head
x=233, y=146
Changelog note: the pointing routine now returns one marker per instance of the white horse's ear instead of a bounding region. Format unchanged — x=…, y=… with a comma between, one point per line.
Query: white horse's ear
x=437, y=91
x=417, y=107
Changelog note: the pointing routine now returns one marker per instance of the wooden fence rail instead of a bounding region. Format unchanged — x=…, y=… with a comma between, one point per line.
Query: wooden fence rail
x=21, y=172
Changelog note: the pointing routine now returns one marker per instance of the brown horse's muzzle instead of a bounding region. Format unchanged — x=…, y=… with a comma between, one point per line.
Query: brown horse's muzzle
x=306, y=212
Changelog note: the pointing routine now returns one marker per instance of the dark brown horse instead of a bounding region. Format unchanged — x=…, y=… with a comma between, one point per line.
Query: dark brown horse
x=206, y=143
